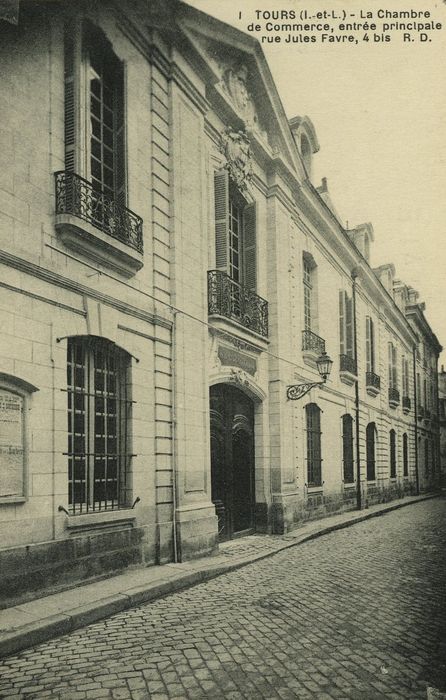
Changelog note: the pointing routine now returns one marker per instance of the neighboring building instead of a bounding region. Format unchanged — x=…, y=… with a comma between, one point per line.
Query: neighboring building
x=442, y=419
x=168, y=271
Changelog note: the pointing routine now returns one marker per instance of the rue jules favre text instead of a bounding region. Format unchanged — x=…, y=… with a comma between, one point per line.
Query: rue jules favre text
x=333, y=27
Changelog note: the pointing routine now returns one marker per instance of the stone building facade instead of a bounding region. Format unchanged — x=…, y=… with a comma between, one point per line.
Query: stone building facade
x=442, y=423
x=169, y=270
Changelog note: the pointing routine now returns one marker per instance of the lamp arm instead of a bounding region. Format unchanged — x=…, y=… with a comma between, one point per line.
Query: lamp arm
x=297, y=391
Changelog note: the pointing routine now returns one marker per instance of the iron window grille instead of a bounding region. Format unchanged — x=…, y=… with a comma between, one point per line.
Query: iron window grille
x=373, y=380
x=314, y=453
x=312, y=342
x=228, y=298
x=370, y=451
x=406, y=403
x=78, y=197
x=405, y=455
x=394, y=395
x=347, y=364
x=99, y=412
x=392, y=440
x=347, y=448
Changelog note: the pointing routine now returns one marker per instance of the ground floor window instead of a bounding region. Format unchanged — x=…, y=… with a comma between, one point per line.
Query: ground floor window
x=370, y=450
x=405, y=455
x=392, y=446
x=347, y=448
x=314, y=456
x=98, y=424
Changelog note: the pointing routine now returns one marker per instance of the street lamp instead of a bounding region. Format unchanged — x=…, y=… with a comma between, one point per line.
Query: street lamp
x=323, y=364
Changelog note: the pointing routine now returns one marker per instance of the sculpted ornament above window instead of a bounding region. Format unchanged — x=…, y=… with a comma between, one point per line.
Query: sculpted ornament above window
x=236, y=148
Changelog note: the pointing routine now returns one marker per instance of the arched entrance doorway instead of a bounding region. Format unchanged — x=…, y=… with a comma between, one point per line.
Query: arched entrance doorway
x=232, y=460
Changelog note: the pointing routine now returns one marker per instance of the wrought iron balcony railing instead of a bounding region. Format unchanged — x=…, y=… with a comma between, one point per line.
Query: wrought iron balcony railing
x=347, y=364
x=406, y=403
x=78, y=197
x=373, y=380
x=312, y=342
x=232, y=300
x=394, y=395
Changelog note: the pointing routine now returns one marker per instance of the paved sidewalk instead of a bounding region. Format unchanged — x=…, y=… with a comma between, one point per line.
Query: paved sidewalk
x=28, y=624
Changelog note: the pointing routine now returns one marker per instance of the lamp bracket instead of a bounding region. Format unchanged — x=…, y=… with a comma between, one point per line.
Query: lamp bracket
x=297, y=391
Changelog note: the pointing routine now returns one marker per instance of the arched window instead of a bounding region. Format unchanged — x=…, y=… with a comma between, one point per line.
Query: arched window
x=405, y=455
x=370, y=450
x=347, y=448
x=98, y=416
x=314, y=458
x=392, y=445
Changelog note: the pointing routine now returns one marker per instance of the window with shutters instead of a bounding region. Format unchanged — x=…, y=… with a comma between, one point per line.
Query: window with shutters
x=426, y=456
x=370, y=345
x=393, y=377
x=232, y=285
x=392, y=449
x=308, y=294
x=314, y=455
x=405, y=376
x=405, y=455
x=347, y=448
x=370, y=451
x=93, y=186
x=98, y=425
x=347, y=361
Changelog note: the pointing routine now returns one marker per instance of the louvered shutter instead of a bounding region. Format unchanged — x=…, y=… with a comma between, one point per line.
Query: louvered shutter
x=120, y=159
x=390, y=359
x=342, y=323
x=394, y=367
x=221, y=194
x=70, y=97
x=249, y=247
x=348, y=326
x=368, y=344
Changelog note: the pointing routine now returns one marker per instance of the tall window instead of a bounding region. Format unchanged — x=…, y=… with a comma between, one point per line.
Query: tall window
x=308, y=294
x=393, y=378
x=94, y=111
x=370, y=451
x=392, y=446
x=425, y=393
x=314, y=458
x=98, y=415
x=405, y=455
x=405, y=376
x=370, y=345
x=347, y=448
x=235, y=232
x=426, y=456
x=346, y=324
x=419, y=397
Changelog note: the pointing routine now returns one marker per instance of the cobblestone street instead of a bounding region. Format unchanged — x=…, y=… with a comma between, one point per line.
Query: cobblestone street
x=358, y=613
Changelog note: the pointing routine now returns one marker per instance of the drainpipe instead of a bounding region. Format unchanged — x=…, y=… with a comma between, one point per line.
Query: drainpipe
x=355, y=350
x=174, y=451
x=415, y=398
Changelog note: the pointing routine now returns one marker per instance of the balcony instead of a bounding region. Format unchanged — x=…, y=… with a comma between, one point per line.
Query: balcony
x=312, y=347
x=427, y=414
x=95, y=225
x=394, y=397
x=347, y=369
x=420, y=412
x=406, y=404
x=372, y=383
x=233, y=301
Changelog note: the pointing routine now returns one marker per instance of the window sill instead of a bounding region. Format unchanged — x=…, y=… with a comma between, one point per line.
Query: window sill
x=12, y=500
x=372, y=391
x=394, y=404
x=100, y=520
x=315, y=489
x=350, y=485
x=84, y=238
x=347, y=377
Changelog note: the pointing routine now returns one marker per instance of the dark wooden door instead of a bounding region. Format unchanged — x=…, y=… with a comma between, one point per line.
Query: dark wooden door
x=232, y=460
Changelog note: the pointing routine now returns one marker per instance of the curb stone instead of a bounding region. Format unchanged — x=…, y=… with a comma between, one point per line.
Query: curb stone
x=43, y=630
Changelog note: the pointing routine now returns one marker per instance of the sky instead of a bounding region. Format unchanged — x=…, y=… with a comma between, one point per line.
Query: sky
x=379, y=110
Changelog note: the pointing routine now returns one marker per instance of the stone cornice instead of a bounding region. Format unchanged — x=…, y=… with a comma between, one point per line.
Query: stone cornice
x=62, y=282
